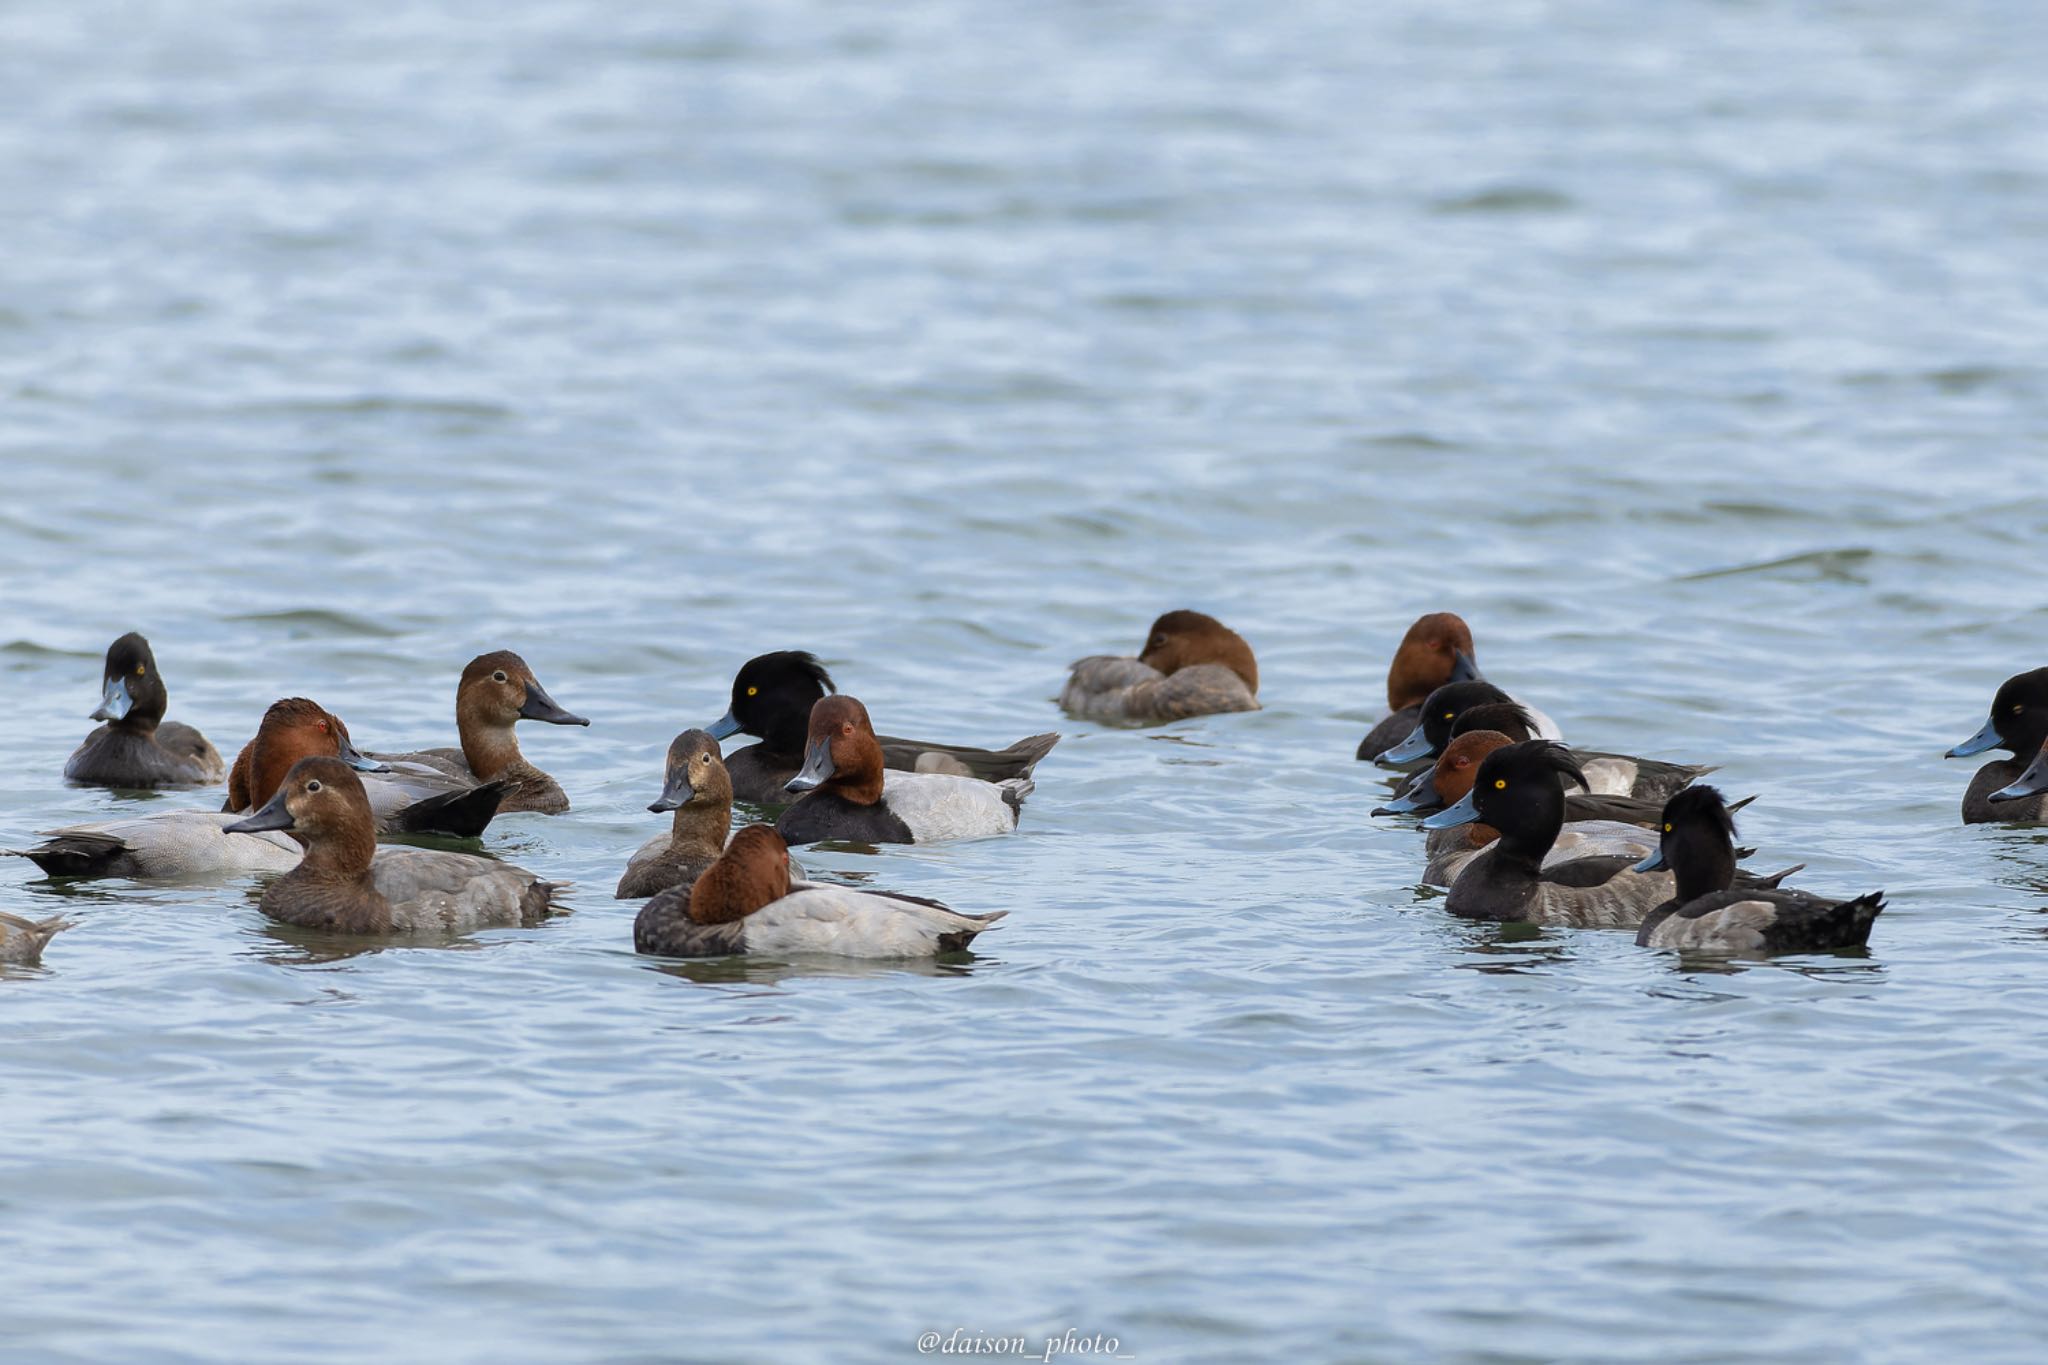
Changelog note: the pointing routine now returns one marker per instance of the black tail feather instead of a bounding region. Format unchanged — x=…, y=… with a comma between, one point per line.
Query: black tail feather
x=463, y=814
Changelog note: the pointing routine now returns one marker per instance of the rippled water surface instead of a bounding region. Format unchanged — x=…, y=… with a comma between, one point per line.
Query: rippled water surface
x=1692, y=351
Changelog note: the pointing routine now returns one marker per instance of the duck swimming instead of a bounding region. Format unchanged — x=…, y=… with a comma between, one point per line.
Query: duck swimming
x=851, y=796
x=418, y=800
x=136, y=747
x=175, y=843
x=1519, y=790
x=496, y=692
x=22, y=940
x=772, y=697
x=1192, y=665
x=2018, y=724
x=347, y=884
x=1458, y=707
x=1436, y=651
x=697, y=789
x=1697, y=843
x=745, y=902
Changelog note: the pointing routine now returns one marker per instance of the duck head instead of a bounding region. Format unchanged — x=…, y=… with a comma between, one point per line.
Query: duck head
x=1446, y=783
x=322, y=804
x=1519, y=790
x=132, y=694
x=2032, y=782
x=1182, y=639
x=841, y=753
x=772, y=697
x=1436, y=650
x=2018, y=721
x=1695, y=843
x=1440, y=711
x=1502, y=717
x=296, y=728
x=752, y=872
x=496, y=692
x=695, y=775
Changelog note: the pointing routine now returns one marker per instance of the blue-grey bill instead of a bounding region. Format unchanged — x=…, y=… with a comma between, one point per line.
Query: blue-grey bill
x=1986, y=738
x=115, y=703
x=725, y=727
x=2032, y=782
x=1464, y=813
x=1416, y=746
x=1464, y=668
x=1654, y=863
x=818, y=769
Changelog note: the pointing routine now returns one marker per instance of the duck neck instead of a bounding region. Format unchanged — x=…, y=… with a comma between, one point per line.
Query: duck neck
x=339, y=855
x=1533, y=832
x=857, y=763
x=1701, y=863
x=492, y=751
x=700, y=828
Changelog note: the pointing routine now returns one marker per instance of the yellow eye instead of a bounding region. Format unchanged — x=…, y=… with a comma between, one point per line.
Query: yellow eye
x=2017, y=707
x=1667, y=829
x=752, y=691
x=1500, y=784
x=139, y=671
x=1449, y=714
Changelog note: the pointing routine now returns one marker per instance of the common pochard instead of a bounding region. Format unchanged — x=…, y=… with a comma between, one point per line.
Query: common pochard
x=1436, y=651
x=496, y=692
x=1457, y=707
x=1192, y=665
x=849, y=794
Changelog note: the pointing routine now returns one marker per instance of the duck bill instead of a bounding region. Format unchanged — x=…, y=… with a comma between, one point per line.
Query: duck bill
x=1464, y=813
x=272, y=815
x=1986, y=738
x=115, y=703
x=1654, y=863
x=1410, y=750
x=360, y=761
x=677, y=792
x=818, y=767
x=1465, y=668
x=2032, y=782
x=1421, y=795
x=540, y=706
x=725, y=727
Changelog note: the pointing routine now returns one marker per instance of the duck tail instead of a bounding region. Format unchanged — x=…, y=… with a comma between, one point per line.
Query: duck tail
x=952, y=941
x=463, y=814
x=1734, y=806
x=1777, y=878
x=72, y=855
x=1857, y=916
x=1014, y=791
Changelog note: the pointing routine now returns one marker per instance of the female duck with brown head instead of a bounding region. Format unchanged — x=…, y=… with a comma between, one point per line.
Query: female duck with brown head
x=699, y=791
x=420, y=800
x=772, y=697
x=2019, y=725
x=851, y=796
x=347, y=884
x=1519, y=790
x=746, y=902
x=137, y=747
x=496, y=692
x=1697, y=843
x=1436, y=652
x=1192, y=665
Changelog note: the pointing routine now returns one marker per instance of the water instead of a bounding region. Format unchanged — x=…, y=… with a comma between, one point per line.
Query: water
x=1692, y=352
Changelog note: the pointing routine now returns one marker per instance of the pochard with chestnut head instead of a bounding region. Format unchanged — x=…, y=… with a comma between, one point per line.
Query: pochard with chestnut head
x=1191, y=665
x=847, y=793
x=747, y=902
x=137, y=747
x=1436, y=652
x=496, y=692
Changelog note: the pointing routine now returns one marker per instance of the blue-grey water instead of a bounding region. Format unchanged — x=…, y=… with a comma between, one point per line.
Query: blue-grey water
x=1694, y=352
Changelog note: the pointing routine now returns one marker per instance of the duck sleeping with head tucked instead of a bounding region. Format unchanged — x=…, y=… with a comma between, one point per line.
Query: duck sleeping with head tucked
x=1192, y=665
x=746, y=902
x=137, y=747
x=772, y=697
x=849, y=794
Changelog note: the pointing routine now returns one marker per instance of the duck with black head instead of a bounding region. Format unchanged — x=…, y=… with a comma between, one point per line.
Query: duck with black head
x=420, y=800
x=1707, y=913
x=346, y=884
x=137, y=747
x=772, y=697
x=496, y=692
x=1519, y=790
x=696, y=787
x=1191, y=665
x=747, y=902
x=849, y=795
x=2018, y=724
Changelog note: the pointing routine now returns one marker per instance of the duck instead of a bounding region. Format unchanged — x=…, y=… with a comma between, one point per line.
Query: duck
x=2018, y=724
x=849, y=795
x=347, y=884
x=420, y=800
x=175, y=843
x=1696, y=843
x=772, y=697
x=1607, y=774
x=1437, y=650
x=2027, y=788
x=699, y=791
x=137, y=747
x=497, y=691
x=1519, y=790
x=1191, y=665
x=22, y=940
x=746, y=902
